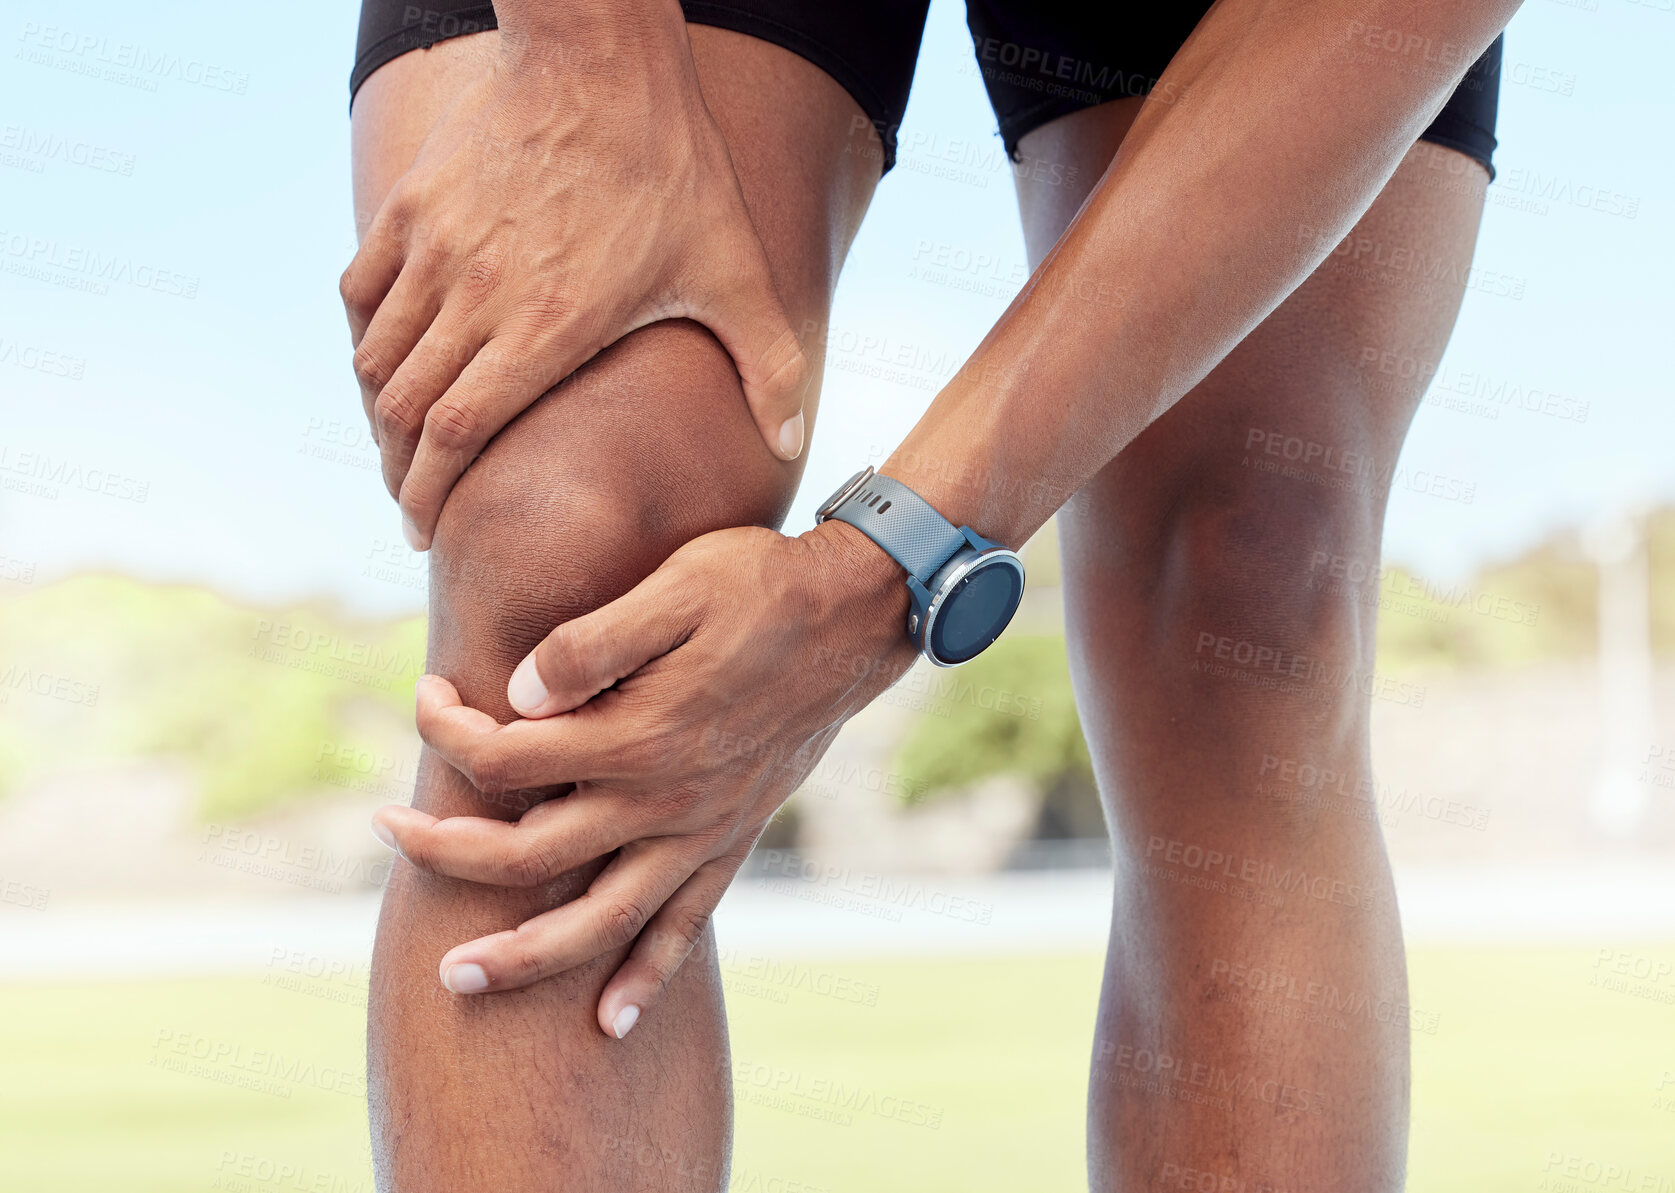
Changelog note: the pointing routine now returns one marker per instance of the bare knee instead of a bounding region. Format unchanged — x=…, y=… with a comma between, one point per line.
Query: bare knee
x=1204, y=617
x=588, y=492
x=1254, y=563
x=570, y=506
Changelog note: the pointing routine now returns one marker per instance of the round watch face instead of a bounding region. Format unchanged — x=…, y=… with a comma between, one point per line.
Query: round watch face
x=974, y=611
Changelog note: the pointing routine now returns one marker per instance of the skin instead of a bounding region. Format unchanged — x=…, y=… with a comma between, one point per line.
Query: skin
x=574, y=189
x=648, y=446
x=1227, y=323
x=1078, y=366
x=1177, y=538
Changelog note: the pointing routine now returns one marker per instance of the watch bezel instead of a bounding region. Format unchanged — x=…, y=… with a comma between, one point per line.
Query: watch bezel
x=962, y=569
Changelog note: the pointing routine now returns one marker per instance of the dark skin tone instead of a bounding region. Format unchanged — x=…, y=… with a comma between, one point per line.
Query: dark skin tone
x=571, y=189
x=649, y=446
x=1181, y=541
x=1177, y=540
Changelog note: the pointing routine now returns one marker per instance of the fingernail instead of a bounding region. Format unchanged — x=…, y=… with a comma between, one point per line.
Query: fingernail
x=382, y=832
x=525, y=690
x=410, y=532
x=625, y=1020
x=791, y=436
x=465, y=979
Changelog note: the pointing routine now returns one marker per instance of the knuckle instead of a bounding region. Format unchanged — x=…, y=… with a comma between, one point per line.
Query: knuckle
x=687, y=924
x=489, y=770
x=788, y=366
x=533, y=861
x=482, y=275
x=514, y=361
x=567, y=652
x=551, y=304
x=644, y=752
x=453, y=424
x=427, y=261
x=568, y=648
x=395, y=411
x=621, y=921
x=349, y=288
x=419, y=849
x=720, y=836
x=675, y=801
x=436, y=237
x=521, y=960
x=395, y=219
x=370, y=369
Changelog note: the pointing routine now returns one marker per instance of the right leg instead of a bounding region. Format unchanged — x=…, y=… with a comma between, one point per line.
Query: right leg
x=595, y=485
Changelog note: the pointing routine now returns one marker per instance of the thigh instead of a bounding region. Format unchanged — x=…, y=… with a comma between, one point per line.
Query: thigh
x=1292, y=441
x=790, y=128
x=1307, y=415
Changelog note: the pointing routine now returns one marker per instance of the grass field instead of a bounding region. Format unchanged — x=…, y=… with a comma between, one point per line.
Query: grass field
x=1530, y=1059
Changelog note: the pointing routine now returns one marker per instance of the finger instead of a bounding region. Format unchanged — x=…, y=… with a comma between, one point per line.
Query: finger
x=751, y=324
x=370, y=274
x=552, y=838
x=401, y=320
x=663, y=946
x=608, y=916
x=586, y=655
x=500, y=382
x=496, y=758
x=403, y=409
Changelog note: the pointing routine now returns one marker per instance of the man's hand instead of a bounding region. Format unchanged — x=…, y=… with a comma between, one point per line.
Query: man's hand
x=685, y=712
x=581, y=191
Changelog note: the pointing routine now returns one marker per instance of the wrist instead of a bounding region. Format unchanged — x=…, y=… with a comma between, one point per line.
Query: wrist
x=963, y=588
x=861, y=583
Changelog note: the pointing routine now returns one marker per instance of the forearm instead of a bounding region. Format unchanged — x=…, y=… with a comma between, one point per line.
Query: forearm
x=1265, y=140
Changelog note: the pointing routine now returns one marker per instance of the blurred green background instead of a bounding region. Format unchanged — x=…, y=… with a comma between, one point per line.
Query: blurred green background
x=246, y=697
x=1529, y=1061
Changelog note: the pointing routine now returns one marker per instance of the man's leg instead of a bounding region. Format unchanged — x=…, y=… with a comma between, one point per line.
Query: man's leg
x=1253, y=1026
x=647, y=447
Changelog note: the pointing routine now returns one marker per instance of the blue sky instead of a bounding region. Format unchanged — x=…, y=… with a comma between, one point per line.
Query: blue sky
x=196, y=420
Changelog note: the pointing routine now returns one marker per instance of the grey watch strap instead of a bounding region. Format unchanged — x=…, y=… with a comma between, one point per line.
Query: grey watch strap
x=903, y=523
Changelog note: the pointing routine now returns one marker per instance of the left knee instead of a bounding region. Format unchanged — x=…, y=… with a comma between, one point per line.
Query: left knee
x=1263, y=564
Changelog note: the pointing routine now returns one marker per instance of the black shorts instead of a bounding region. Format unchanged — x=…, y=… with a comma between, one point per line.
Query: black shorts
x=1040, y=59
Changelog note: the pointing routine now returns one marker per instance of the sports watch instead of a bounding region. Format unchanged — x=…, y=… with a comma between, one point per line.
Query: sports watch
x=964, y=588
